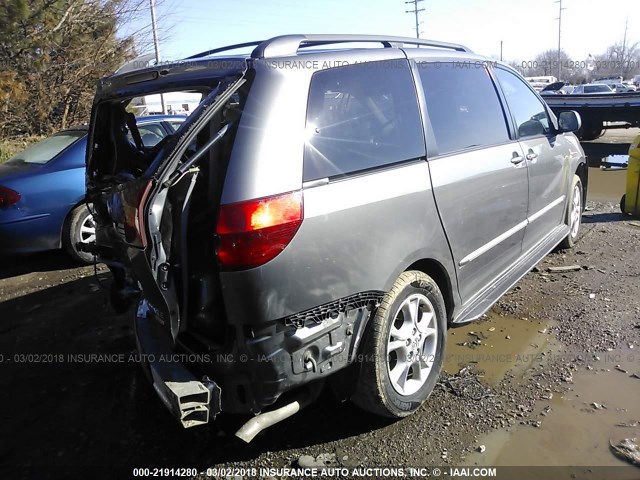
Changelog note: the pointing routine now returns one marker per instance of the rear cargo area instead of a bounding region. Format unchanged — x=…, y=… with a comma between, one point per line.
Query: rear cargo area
x=156, y=207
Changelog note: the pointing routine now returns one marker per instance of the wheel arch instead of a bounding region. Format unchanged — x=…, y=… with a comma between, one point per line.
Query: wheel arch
x=582, y=171
x=439, y=274
x=67, y=218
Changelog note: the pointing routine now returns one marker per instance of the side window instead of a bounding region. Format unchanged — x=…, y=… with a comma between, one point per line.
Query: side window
x=463, y=105
x=360, y=117
x=175, y=125
x=529, y=112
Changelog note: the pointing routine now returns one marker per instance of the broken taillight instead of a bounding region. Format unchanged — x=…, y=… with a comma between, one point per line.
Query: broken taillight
x=254, y=232
x=126, y=208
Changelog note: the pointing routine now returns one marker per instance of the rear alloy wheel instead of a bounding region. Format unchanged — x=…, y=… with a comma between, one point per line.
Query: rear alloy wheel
x=403, y=348
x=79, y=228
x=574, y=214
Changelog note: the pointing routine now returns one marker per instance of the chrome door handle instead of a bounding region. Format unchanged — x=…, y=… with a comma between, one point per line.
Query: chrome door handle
x=516, y=159
x=532, y=156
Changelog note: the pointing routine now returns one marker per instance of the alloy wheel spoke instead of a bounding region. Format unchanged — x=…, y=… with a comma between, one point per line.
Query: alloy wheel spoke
x=399, y=334
x=399, y=374
x=426, y=321
x=397, y=345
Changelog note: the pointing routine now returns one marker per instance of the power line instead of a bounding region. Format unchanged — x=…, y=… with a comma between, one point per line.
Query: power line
x=416, y=11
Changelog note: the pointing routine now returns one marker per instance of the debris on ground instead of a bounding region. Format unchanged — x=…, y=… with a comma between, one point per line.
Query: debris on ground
x=627, y=424
x=466, y=383
x=564, y=269
x=322, y=460
x=627, y=450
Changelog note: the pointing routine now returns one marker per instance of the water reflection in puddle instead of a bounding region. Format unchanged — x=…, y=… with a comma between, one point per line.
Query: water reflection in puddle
x=577, y=426
x=497, y=345
x=607, y=178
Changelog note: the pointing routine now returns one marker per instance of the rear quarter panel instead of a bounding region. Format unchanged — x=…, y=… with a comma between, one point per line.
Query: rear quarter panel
x=358, y=235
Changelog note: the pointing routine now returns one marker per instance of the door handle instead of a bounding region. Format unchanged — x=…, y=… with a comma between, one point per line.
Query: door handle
x=532, y=156
x=516, y=159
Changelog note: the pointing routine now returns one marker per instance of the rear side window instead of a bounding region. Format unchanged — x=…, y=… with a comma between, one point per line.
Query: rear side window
x=463, y=105
x=527, y=109
x=360, y=117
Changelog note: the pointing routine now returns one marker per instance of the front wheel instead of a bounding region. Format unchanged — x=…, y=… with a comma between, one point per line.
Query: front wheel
x=574, y=214
x=79, y=228
x=403, y=348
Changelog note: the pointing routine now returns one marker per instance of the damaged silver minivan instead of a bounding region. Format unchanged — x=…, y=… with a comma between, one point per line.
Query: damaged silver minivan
x=325, y=213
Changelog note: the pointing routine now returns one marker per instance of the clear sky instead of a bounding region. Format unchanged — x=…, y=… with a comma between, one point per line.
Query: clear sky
x=526, y=27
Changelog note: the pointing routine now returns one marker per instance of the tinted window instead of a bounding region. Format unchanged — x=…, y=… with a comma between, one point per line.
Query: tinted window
x=361, y=116
x=463, y=106
x=528, y=110
x=596, y=89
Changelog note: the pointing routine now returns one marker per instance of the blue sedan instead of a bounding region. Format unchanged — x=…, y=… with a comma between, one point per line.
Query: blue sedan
x=42, y=191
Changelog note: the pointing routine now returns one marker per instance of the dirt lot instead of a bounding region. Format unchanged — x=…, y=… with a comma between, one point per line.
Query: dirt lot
x=547, y=378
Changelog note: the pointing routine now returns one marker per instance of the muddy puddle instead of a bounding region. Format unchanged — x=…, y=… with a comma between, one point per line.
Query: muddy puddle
x=607, y=178
x=497, y=345
x=576, y=427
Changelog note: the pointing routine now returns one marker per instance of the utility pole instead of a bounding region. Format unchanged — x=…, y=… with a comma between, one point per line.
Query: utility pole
x=416, y=11
x=156, y=44
x=560, y=9
x=624, y=47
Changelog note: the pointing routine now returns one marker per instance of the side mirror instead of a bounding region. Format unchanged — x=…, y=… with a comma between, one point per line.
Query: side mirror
x=569, y=121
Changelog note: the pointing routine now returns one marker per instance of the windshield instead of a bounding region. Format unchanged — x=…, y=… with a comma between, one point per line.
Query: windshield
x=42, y=152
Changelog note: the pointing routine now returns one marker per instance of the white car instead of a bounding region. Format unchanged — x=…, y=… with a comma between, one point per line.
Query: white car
x=592, y=89
x=623, y=88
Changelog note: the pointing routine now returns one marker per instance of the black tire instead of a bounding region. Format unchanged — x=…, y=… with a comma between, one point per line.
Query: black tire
x=570, y=240
x=622, y=203
x=72, y=234
x=591, y=131
x=374, y=389
x=592, y=134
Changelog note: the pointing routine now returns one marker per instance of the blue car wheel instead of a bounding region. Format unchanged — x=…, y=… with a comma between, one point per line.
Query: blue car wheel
x=79, y=229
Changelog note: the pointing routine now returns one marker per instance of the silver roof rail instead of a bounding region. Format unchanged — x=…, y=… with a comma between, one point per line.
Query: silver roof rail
x=225, y=49
x=287, y=45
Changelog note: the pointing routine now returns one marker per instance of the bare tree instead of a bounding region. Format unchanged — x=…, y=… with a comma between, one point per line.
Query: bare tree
x=54, y=51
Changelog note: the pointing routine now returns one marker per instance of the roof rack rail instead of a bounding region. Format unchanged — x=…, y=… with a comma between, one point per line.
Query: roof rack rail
x=225, y=49
x=287, y=45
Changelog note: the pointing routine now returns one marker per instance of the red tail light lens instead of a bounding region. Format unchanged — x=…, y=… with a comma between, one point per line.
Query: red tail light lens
x=254, y=232
x=8, y=197
x=134, y=225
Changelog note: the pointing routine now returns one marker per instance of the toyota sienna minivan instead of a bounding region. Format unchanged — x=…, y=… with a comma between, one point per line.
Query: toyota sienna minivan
x=333, y=205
